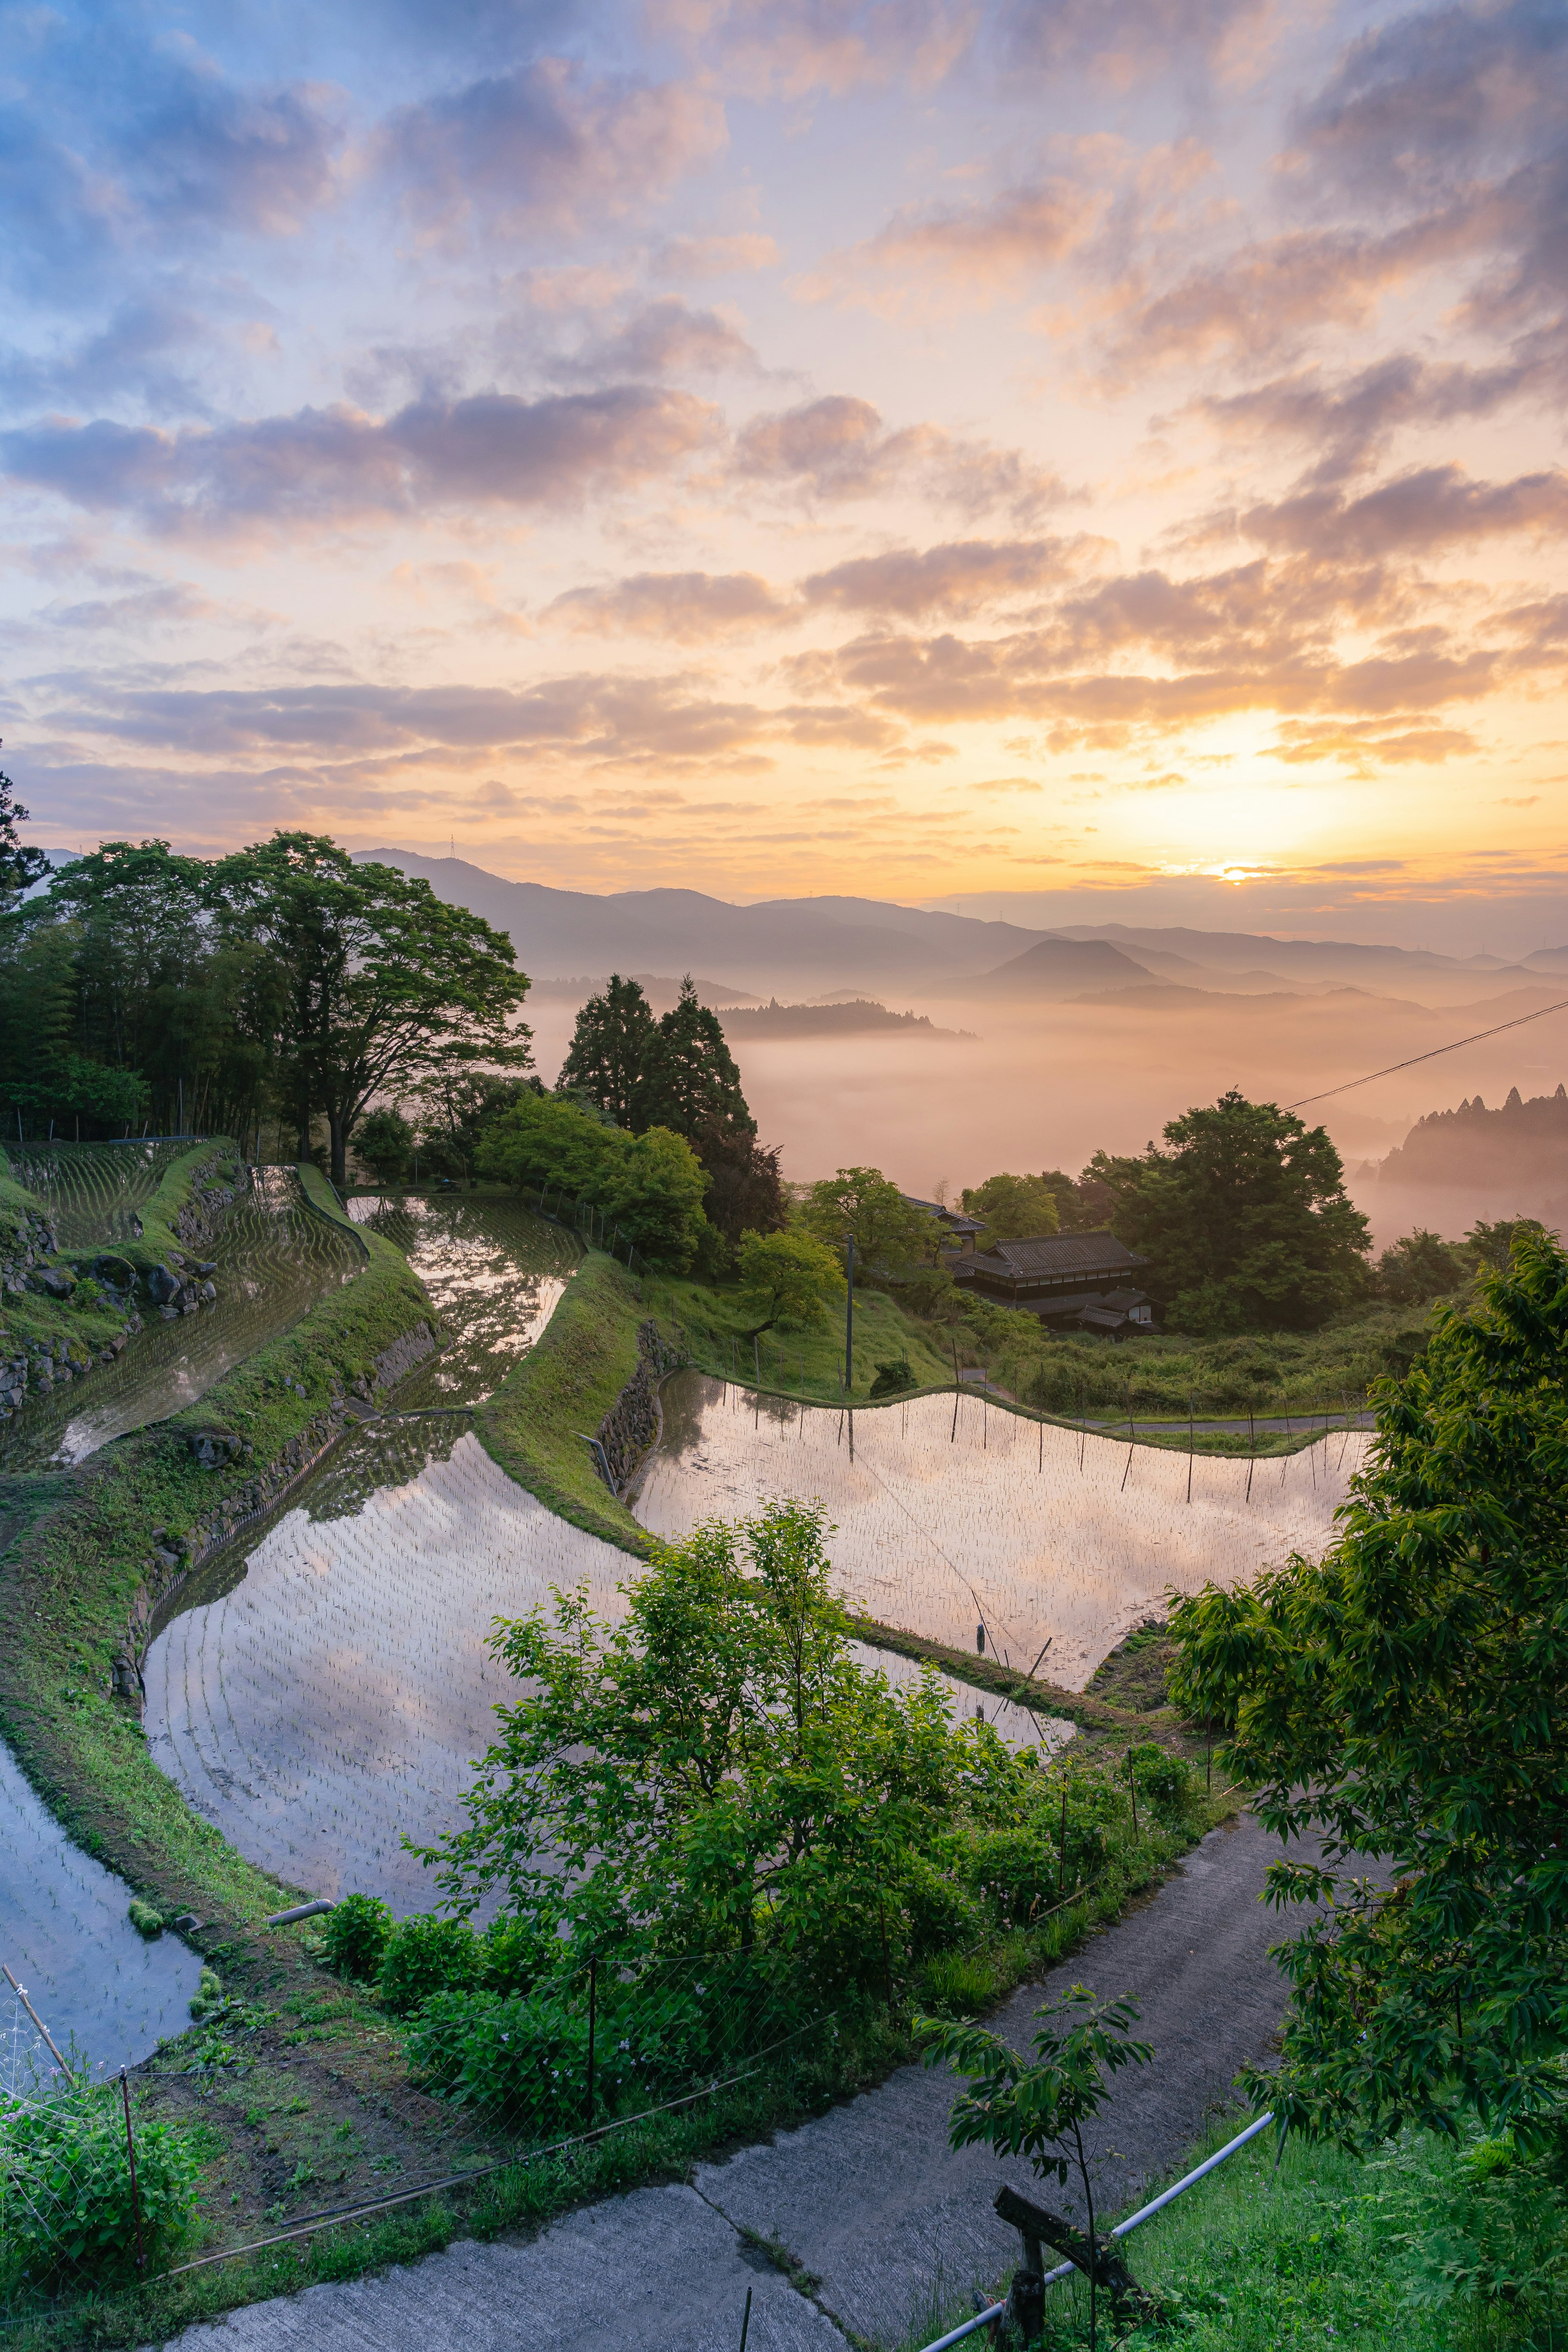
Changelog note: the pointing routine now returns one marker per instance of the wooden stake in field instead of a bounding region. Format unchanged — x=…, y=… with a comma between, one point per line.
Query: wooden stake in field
x=1190, y=1443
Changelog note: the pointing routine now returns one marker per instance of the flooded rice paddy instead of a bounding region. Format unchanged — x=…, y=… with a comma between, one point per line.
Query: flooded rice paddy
x=325, y=1688
x=93, y=1190
x=106, y=1996
x=274, y=1256
x=944, y=1525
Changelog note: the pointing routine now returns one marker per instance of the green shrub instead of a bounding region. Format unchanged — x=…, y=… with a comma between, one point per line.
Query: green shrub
x=209, y=1995
x=425, y=1955
x=144, y=1920
x=355, y=1936
x=893, y=1378
x=959, y=1984
x=1164, y=1780
x=65, y=2188
x=513, y=1953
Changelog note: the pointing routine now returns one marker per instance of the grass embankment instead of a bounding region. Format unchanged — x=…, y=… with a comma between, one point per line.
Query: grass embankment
x=75, y=1329
x=556, y=1396
x=1255, y=2260
x=712, y=1324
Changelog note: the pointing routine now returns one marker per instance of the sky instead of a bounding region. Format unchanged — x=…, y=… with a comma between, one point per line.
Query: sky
x=1070, y=455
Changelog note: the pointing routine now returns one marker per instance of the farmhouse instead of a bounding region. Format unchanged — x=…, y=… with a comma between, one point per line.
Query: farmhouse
x=1077, y=1279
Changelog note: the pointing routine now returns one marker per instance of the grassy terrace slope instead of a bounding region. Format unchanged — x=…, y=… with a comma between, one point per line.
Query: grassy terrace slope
x=78, y=1566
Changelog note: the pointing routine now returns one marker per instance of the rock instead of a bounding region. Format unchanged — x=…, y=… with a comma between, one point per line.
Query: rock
x=214, y=1448
x=169, y=1314
x=208, y=1266
x=162, y=1288
x=54, y=1282
x=209, y=1292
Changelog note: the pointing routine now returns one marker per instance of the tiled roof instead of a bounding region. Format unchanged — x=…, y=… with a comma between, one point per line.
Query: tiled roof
x=1059, y=1256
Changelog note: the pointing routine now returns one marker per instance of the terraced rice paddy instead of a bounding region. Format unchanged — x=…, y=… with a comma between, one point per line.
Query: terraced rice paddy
x=275, y=1257
x=495, y=1272
x=93, y=1190
x=1029, y=1531
x=64, y=1936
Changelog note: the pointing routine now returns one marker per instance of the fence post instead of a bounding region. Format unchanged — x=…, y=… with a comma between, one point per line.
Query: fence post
x=131, y=2152
x=593, y=2021
x=1062, y=1865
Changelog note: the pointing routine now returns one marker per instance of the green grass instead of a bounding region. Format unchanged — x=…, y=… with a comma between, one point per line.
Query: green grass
x=705, y=1319
x=1259, y=2259
x=534, y=1424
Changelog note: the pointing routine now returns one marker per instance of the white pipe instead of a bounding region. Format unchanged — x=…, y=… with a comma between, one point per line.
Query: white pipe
x=1065, y=2270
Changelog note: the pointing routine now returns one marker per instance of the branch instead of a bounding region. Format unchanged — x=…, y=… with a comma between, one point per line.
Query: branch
x=1104, y=2262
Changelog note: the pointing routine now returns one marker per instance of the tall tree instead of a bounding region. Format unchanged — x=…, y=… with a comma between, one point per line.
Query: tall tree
x=1014, y=1207
x=745, y=1185
x=1244, y=1217
x=385, y=983
x=863, y=1201
x=21, y=865
x=691, y=1081
x=612, y=1052
x=1403, y=1696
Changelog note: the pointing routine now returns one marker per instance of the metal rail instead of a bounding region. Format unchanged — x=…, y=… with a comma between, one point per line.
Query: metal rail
x=1064, y=2270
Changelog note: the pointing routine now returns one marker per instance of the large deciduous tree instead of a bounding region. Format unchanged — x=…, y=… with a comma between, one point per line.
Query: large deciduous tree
x=864, y=1203
x=1013, y=1207
x=21, y=865
x=1244, y=1217
x=1405, y=1697
x=385, y=984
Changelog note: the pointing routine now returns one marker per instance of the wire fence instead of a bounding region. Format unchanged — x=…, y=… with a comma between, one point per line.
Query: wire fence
x=102, y=2184
x=590, y=1222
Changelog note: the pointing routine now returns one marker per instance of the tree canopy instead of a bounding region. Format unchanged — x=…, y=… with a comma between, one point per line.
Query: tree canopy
x=650, y=1186
x=863, y=1201
x=692, y=1084
x=611, y=1056
x=1405, y=1697
x=1013, y=1207
x=384, y=982
x=787, y=1279
x=1244, y=1217
x=21, y=865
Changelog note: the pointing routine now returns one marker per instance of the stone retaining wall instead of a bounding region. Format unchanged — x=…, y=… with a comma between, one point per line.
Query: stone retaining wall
x=631, y=1425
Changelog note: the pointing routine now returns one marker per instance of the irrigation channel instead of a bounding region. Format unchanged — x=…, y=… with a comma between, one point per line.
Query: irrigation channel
x=273, y=1255
x=949, y=1515
x=323, y=1690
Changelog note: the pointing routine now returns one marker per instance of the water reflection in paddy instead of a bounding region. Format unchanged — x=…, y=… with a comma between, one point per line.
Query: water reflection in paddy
x=993, y=1521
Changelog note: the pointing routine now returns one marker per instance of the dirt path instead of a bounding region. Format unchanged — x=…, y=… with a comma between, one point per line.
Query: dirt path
x=867, y=2199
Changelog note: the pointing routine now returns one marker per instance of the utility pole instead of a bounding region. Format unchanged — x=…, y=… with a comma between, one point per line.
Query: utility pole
x=849, y=1322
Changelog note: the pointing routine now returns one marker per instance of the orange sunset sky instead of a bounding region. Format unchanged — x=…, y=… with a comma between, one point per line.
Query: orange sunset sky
x=936, y=451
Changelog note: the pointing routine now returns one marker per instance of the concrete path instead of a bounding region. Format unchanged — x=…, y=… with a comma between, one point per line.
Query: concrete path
x=867, y=2199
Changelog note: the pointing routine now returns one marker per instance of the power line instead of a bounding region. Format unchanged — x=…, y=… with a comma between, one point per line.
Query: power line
x=1350, y=1084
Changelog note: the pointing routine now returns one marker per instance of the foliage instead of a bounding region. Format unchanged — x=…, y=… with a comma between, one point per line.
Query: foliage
x=21, y=865
x=1013, y=1207
x=423, y=1954
x=745, y=1185
x=1406, y=1695
x=692, y=1083
x=383, y=983
x=612, y=1050
x=717, y=1771
x=863, y=1201
x=65, y=2187
x=649, y=1185
x=1080, y=1207
x=455, y=1106
x=354, y=1935
x=1019, y=2109
x=383, y=1141
x=1493, y=1246
x=1244, y=1218
x=1490, y=2227
x=893, y=1378
x=147, y=1922
x=787, y=1279
x=1419, y=1267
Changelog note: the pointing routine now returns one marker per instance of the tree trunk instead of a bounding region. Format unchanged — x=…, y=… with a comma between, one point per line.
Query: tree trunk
x=338, y=1127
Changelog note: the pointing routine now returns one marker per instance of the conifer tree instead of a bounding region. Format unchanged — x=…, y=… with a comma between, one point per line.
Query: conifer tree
x=612, y=1050
x=692, y=1084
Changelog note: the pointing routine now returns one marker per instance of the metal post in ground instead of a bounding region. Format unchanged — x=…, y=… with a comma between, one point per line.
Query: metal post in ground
x=1062, y=1862
x=849, y=1321
x=1189, y=1449
x=131, y=2153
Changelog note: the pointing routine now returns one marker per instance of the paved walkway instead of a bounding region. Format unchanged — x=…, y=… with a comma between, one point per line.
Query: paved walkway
x=869, y=2197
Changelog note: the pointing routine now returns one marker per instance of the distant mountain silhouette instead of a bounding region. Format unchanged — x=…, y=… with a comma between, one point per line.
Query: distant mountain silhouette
x=1521, y=1148
x=795, y=943
x=1060, y=967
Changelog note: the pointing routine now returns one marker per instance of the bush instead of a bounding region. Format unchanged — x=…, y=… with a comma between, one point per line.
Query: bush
x=426, y=1955
x=514, y=1953
x=893, y=1379
x=144, y=1920
x=355, y=1936
x=1164, y=1780
x=65, y=2188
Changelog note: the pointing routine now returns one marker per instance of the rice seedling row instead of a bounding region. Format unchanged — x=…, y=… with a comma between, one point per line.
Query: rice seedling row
x=274, y=1259
x=93, y=1190
x=952, y=1517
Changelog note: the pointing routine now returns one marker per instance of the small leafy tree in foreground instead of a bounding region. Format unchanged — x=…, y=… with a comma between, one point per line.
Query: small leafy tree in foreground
x=1040, y=2110
x=1403, y=1696
x=67, y=2209
x=787, y=1279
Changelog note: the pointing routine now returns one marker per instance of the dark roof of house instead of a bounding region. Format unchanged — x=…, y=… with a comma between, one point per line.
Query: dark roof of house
x=1059, y=1257
x=953, y=1219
